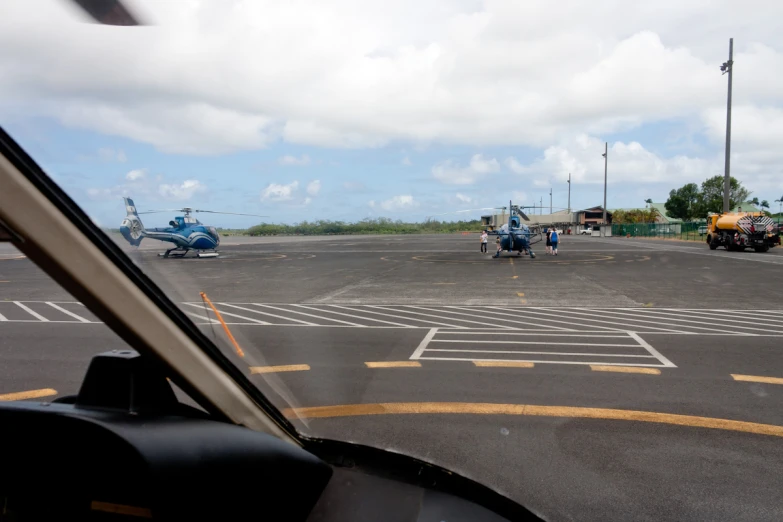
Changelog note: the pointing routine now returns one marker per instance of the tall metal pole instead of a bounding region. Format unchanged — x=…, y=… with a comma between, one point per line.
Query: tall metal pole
x=569, y=192
x=606, y=159
x=541, y=209
x=728, y=67
x=550, y=201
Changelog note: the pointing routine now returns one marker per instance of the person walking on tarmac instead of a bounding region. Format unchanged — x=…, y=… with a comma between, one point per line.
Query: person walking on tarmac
x=500, y=247
x=554, y=239
x=549, y=241
x=484, y=242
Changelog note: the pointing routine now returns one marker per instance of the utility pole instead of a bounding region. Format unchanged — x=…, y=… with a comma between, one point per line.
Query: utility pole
x=728, y=67
x=569, y=192
x=606, y=159
x=550, y=201
x=541, y=208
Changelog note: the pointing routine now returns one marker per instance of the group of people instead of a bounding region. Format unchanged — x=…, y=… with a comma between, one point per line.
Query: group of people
x=552, y=239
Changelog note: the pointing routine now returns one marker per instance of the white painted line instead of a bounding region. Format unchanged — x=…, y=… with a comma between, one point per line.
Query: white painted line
x=543, y=353
x=635, y=316
x=423, y=344
x=199, y=306
x=355, y=316
x=595, y=315
x=311, y=315
x=407, y=318
x=534, y=333
x=521, y=317
x=197, y=316
x=598, y=363
x=381, y=307
x=2, y=318
x=490, y=320
x=31, y=312
x=667, y=314
x=268, y=313
x=67, y=312
x=666, y=362
x=547, y=343
x=539, y=311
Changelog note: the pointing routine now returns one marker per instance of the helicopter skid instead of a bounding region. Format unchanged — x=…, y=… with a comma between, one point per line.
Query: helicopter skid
x=207, y=254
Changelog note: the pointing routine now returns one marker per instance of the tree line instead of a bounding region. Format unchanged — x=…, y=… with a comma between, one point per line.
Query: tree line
x=692, y=201
x=365, y=226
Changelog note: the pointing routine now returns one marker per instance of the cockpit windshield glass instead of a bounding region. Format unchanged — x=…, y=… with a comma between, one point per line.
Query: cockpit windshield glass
x=515, y=239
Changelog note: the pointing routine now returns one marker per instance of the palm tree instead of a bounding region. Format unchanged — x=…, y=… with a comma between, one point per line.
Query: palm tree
x=754, y=201
x=780, y=210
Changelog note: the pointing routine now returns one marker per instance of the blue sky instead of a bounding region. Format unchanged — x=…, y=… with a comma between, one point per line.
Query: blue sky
x=403, y=110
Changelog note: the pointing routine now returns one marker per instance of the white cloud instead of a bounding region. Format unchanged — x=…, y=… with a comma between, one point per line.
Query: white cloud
x=398, y=203
x=139, y=184
x=293, y=160
x=463, y=198
x=406, y=161
x=278, y=192
x=182, y=191
x=136, y=174
x=314, y=187
x=371, y=203
x=210, y=79
x=452, y=173
x=354, y=186
x=307, y=201
x=628, y=162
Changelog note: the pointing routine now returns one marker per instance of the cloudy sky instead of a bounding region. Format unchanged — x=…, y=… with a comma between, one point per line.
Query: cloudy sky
x=354, y=108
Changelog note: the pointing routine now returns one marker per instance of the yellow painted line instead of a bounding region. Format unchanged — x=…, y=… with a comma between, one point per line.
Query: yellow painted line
x=624, y=369
x=503, y=364
x=514, y=277
x=757, y=378
x=444, y=283
x=5, y=281
x=283, y=368
x=120, y=509
x=520, y=294
x=394, y=364
x=30, y=394
x=401, y=408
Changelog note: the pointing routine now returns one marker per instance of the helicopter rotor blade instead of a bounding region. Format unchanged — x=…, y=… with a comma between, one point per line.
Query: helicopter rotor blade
x=230, y=213
x=108, y=12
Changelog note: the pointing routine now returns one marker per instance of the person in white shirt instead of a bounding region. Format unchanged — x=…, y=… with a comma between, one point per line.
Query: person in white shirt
x=484, y=242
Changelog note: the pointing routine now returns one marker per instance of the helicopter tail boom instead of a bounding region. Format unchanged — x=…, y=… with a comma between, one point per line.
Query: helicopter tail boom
x=132, y=229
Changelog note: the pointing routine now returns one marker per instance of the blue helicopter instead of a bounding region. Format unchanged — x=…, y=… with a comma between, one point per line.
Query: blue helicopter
x=186, y=232
x=516, y=236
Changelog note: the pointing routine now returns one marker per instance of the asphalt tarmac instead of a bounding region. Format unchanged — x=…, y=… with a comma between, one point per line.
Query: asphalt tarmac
x=624, y=379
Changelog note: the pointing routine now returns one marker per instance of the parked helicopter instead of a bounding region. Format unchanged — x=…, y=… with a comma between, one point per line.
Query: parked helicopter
x=516, y=236
x=186, y=232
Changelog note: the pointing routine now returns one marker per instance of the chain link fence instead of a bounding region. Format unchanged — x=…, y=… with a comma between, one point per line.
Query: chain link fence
x=688, y=231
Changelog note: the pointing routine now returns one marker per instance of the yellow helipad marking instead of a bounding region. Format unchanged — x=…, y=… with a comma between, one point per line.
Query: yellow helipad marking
x=503, y=364
x=757, y=378
x=30, y=394
x=402, y=408
x=514, y=277
x=444, y=283
x=283, y=368
x=520, y=294
x=624, y=369
x=394, y=364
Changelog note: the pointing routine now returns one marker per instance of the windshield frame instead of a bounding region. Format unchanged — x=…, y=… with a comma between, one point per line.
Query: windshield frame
x=27, y=167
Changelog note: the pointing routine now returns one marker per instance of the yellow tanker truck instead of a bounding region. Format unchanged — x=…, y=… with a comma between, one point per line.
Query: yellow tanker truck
x=741, y=230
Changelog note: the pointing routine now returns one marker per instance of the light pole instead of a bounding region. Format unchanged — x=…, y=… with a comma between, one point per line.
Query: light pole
x=606, y=159
x=569, y=192
x=728, y=67
x=541, y=209
x=780, y=208
x=550, y=201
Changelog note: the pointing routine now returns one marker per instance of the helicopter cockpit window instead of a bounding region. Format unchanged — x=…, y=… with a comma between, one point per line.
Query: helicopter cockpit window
x=190, y=220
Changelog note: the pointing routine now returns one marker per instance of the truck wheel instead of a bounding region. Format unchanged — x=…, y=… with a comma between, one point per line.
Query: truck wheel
x=713, y=246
